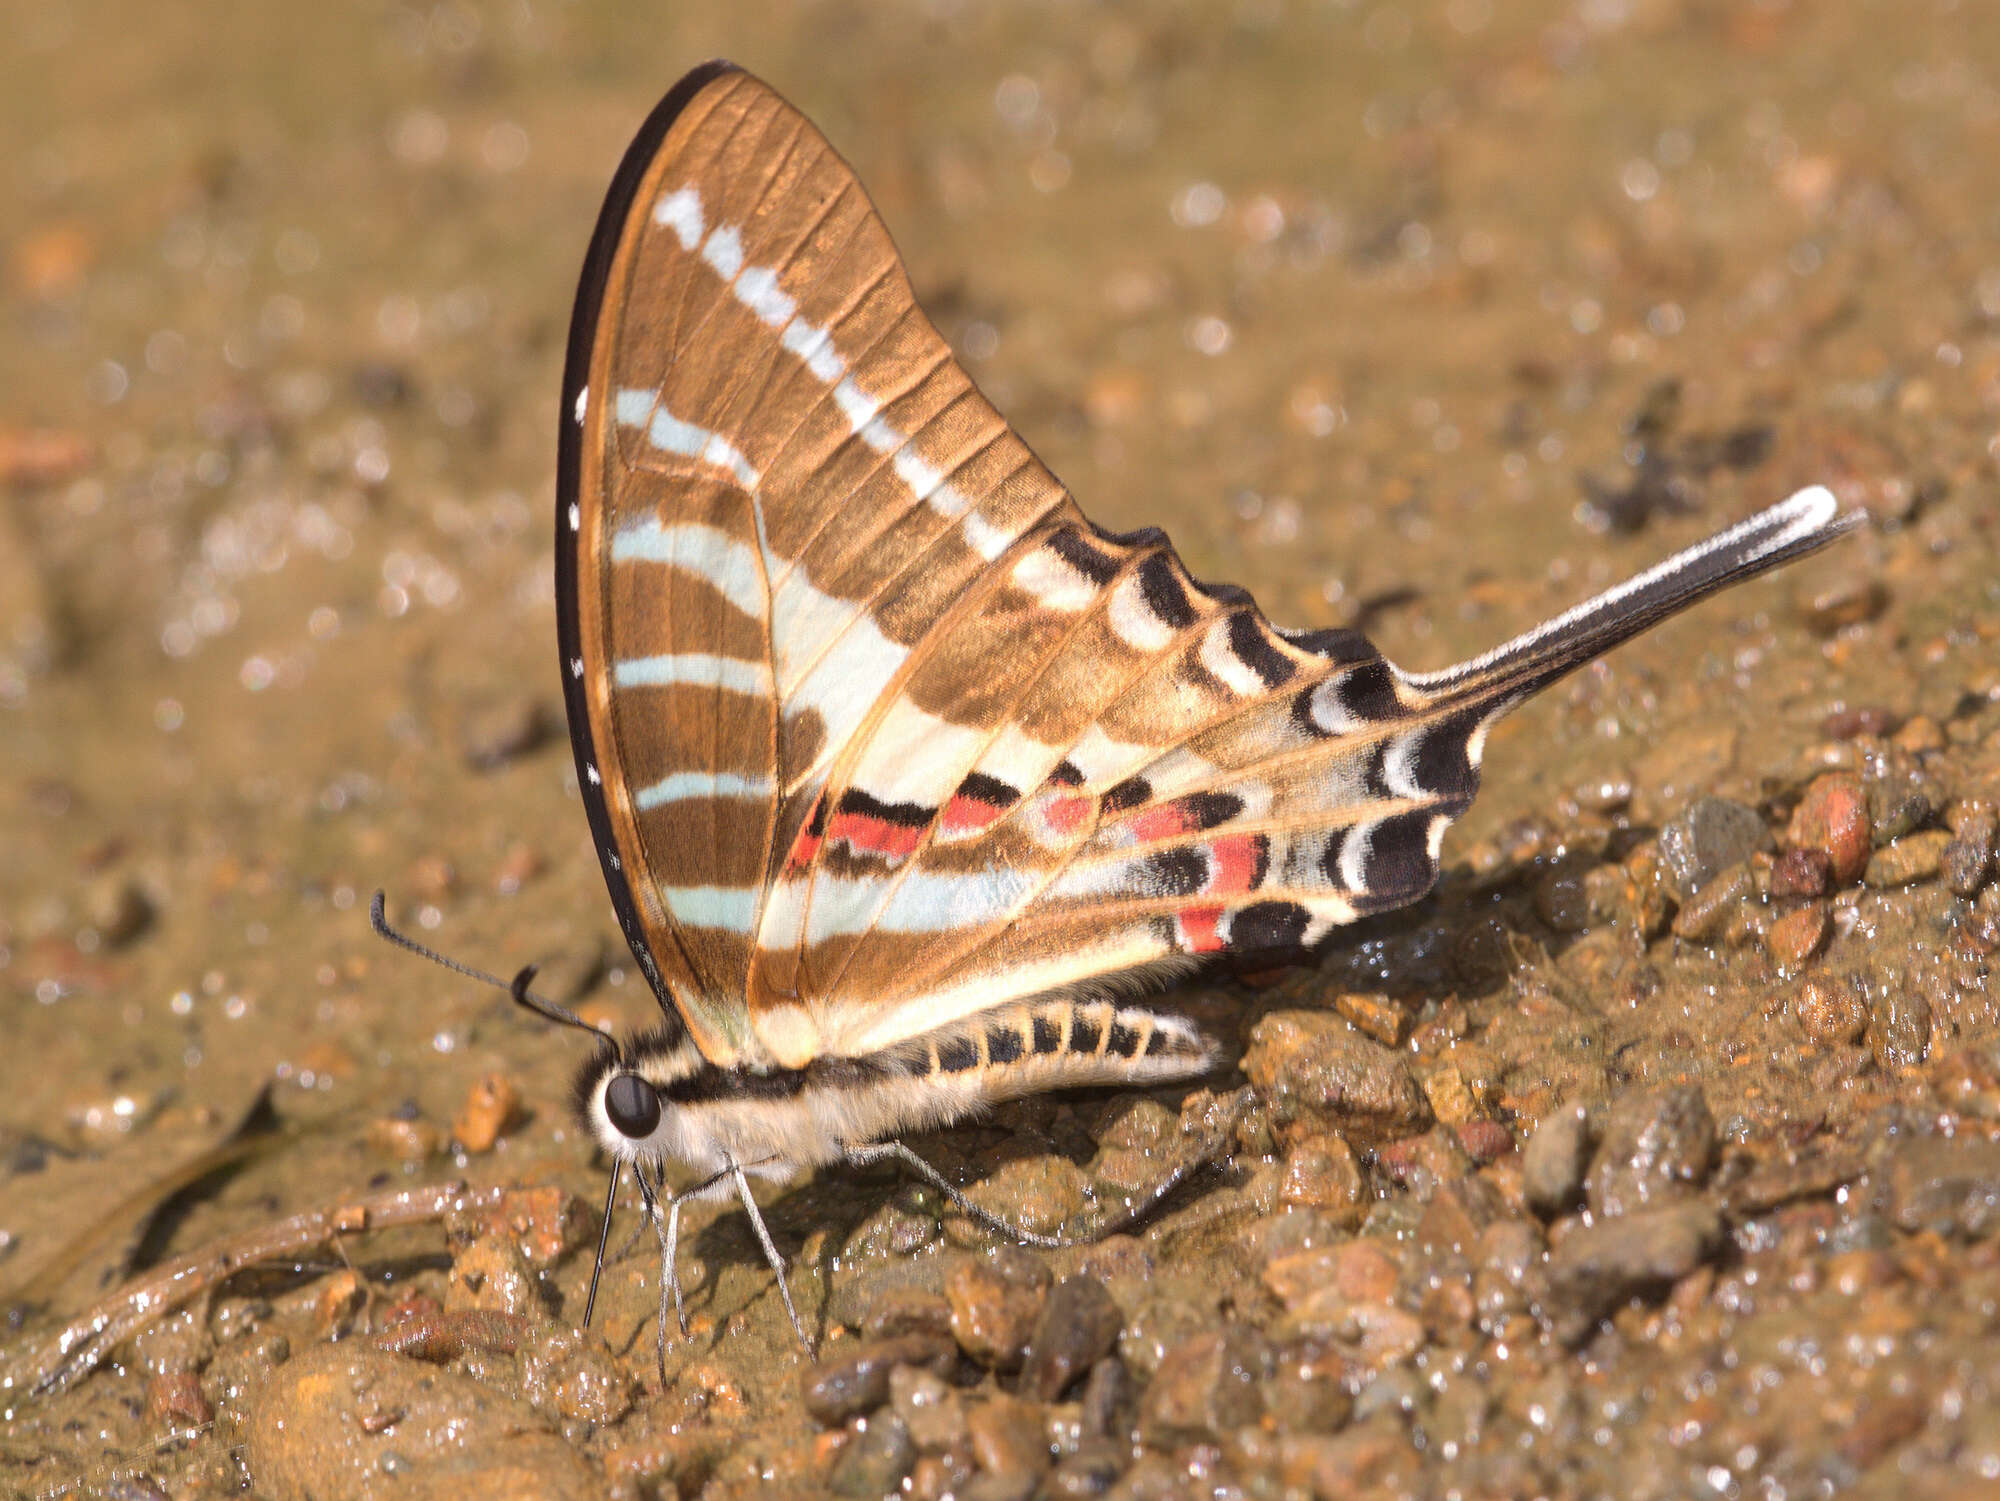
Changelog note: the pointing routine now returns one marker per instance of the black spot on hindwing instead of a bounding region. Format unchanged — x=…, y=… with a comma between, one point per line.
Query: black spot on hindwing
x=1266, y=927
x=1048, y=1036
x=1398, y=867
x=1164, y=596
x=1069, y=545
x=1176, y=872
x=1443, y=765
x=956, y=1055
x=1123, y=1041
x=1254, y=649
x=1368, y=691
x=1129, y=793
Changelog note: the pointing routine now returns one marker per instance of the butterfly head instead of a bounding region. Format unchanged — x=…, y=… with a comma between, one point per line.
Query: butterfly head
x=626, y=1096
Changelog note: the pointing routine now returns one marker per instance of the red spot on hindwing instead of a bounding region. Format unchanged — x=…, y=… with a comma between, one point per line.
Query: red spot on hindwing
x=1236, y=864
x=869, y=835
x=1198, y=930
x=967, y=815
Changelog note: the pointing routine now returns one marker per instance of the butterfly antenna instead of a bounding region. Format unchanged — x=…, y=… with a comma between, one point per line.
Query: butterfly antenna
x=541, y=1005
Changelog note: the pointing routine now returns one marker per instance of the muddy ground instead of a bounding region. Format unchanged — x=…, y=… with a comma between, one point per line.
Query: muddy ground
x=1654, y=1157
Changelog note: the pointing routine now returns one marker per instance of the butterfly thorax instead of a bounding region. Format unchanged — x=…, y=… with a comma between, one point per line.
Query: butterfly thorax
x=777, y=1120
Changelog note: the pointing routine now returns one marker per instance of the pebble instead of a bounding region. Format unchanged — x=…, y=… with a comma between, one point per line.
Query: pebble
x=491, y=1273
x=1797, y=936
x=906, y=1310
x=1314, y=1069
x=875, y=1460
x=118, y=909
x=1899, y=1031
x=1419, y=1164
x=1711, y=835
x=1655, y=1144
x=403, y=1141
x=1555, y=1159
x=1375, y=1014
x=1485, y=1141
x=492, y=737
x=1969, y=858
x=1563, y=900
x=1830, y=1011
x=857, y=1379
x=1321, y=1172
x=1912, y=858
x=1597, y=1267
x=1008, y=1440
x=1207, y=1387
x=929, y=1407
x=1832, y=818
x=572, y=1375
x=1079, y=1326
x=1827, y=605
x=174, y=1401
x=1801, y=873
x=996, y=1300
x=1949, y=1185
x=1708, y=915
x=345, y=1420
x=489, y=1105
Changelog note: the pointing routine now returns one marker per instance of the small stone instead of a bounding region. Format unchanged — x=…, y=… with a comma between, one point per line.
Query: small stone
x=1711, y=835
x=1599, y=1266
x=1091, y=1471
x=1419, y=1164
x=1452, y=1099
x=1079, y=1326
x=1864, y=719
x=118, y=909
x=1206, y=1387
x=1899, y=1031
x=1827, y=605
x=520, y=865
x=493, y=736
x=490, y=1104
x=174, y=1402
x=1321, y=1173
x=1375, y=1014
x=1313, y=1068
x=1919, y=735
x=1555, y=1159
x=1830, y=1012
x=929, y=1407
x=339, y=1298
x=996, y=1300
x=1485, y=1141
x=1563, y=900
x=1105, y=1392
x=1969, y=858
x=1796, y=937
x=875, y=1460
x=403, y=1140
x=1948, y=1185
x=1008, y=1440
x=1801, y=872
x=906, y=1310
x=856, y=1380
x=1832, y=817
x=1656, y=1144
x=492, y=1274
x=1912, y=858
x=1708, y=915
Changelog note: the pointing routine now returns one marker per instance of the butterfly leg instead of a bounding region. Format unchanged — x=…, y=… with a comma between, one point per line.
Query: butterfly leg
x=895, y=1151
x=771, y=1255
x=669, y=1275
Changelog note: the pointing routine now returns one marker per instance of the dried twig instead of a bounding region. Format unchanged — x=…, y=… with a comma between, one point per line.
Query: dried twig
x=57, y=1362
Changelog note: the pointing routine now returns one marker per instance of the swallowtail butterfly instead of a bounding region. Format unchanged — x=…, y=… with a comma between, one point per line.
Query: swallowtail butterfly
x=893, y=759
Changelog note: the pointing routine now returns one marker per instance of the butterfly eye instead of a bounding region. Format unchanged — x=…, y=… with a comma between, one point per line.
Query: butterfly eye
x=632, y=1104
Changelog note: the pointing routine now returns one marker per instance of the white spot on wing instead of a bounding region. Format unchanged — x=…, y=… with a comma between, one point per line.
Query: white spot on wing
x=1133, y=620
x=1222, y=663
x=582, y=404
x=680, y=211
x=730, y=907
x=693, y=669
x=687, y=784
x=724, y=251
x=707, y=552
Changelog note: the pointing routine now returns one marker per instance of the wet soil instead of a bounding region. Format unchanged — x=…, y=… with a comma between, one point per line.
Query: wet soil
x=1654, y=1156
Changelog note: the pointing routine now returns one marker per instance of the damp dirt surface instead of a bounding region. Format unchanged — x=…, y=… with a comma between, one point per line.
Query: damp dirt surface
x=1657, y=1155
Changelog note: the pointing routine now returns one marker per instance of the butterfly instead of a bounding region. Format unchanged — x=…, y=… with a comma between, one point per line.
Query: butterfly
x=901, y=771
